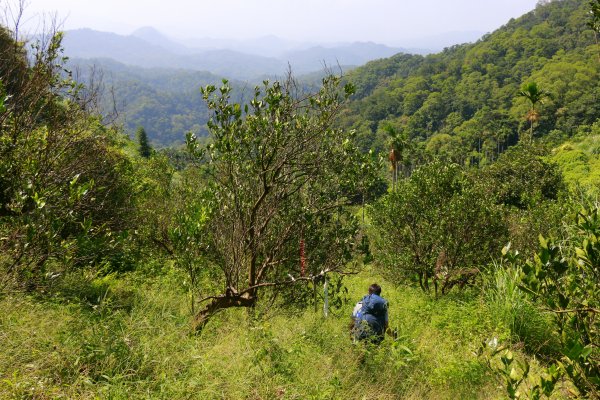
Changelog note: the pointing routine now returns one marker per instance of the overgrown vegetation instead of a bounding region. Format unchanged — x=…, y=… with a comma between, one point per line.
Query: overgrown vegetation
x=277, y=174
x=113, y=255
x=438, y=227
x=66, y=186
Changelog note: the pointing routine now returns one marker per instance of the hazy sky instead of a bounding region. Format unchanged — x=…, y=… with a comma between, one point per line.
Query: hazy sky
x=383, y=21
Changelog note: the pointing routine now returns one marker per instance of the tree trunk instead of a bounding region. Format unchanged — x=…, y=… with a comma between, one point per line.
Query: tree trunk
x=531, y=125
x=219, y=303
x=421, y=282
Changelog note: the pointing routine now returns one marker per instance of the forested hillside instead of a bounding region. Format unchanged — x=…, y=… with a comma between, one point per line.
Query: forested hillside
x=167, y=102
x=463, y=104
x=153, y=81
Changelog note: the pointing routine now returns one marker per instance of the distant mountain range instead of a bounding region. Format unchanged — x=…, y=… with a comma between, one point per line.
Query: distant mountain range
x=245, y=60
x=154, y=80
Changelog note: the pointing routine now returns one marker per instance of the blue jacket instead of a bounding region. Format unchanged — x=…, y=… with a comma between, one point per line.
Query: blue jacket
x=374, y=312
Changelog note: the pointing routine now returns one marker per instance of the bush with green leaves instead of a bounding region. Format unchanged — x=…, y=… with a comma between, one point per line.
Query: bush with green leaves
x=515, y=316
x=436, y=226
x=565, y=278
x=523, y=178
x=531, y=190
x=516, y=372
x=65, y=190
x=562, y=279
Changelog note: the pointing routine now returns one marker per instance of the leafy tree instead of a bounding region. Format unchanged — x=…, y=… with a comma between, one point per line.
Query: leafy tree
x=188, y=234
x=144, y=148
x=531, y=190
x=65, y=191
x=278, y=171
x=398, y=143
x=522, y=177
x=436, y=226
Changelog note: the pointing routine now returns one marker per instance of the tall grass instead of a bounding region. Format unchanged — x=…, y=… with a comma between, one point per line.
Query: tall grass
x=87, y=349
x=513, y=313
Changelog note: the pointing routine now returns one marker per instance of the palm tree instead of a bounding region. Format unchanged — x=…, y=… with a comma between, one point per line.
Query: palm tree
x=535, y=95
x=397, y=142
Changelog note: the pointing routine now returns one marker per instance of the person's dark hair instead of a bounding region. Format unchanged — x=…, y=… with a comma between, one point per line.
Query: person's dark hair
x=375, y=289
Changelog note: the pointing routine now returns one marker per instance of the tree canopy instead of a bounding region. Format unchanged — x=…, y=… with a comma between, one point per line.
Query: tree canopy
x=279, y=174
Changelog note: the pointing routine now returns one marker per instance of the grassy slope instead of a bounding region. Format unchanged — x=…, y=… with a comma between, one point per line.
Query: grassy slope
x=136, y=344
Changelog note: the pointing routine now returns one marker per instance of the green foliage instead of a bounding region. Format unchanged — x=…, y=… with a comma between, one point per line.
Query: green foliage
x=516, y=373
x=399, y=147
x=522, y=178
x=3, y=99
x=73, y=350
x=565, y=276
x=516, y=317
x=277, y=173
x=65, y=191
x=469, y=91
x=190, y=236
x=436, y=226
x=167, y=102
x=531, y=190
x=534, y=95
x=580, y=161
x=173, y=207
x=572, y=82
x=228, y=219
x=594, y=22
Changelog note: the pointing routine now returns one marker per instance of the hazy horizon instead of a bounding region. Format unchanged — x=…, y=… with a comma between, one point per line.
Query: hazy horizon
x=393, y=23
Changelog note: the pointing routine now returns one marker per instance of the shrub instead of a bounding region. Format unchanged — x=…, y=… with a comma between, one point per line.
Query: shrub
x=437, y=227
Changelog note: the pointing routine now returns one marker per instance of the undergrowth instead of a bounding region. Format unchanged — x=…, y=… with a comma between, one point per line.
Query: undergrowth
x=515, y=317
x=130, y=338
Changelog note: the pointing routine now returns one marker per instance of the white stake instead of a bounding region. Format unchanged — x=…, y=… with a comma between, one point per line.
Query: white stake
x=326, y=298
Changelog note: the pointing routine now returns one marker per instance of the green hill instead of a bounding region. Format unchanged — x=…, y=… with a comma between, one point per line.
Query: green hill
x=463, y=103
x=166, y=101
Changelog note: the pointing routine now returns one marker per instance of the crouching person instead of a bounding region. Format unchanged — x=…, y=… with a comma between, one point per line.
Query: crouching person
x=370, y=317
